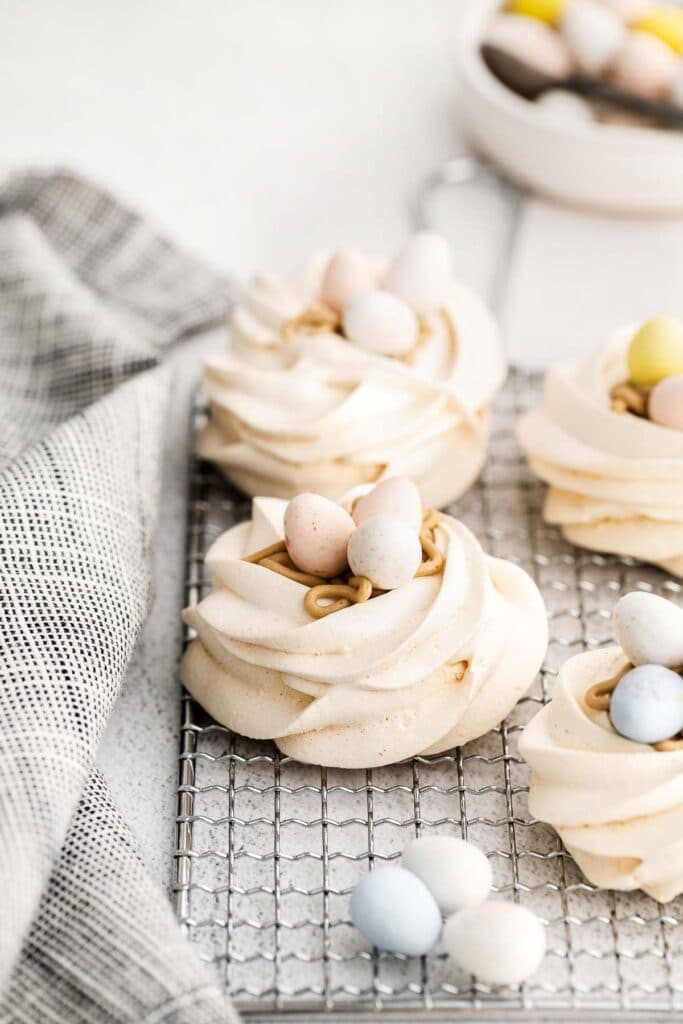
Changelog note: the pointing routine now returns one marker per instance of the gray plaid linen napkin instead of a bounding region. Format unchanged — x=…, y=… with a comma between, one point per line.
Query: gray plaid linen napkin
x=90, y=295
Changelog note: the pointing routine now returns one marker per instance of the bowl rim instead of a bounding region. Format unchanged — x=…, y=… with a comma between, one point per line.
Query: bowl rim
x=478, y=77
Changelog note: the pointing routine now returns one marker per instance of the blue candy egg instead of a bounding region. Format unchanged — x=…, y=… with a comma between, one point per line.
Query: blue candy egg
x=395, y=911
x=647, y=704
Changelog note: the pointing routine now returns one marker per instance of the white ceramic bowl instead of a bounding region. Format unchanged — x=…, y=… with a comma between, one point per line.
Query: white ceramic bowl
x=609, y=167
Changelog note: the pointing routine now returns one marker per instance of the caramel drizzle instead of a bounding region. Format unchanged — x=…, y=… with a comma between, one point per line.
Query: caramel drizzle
x=628, y=397
x=346, y=590
x=598, y=698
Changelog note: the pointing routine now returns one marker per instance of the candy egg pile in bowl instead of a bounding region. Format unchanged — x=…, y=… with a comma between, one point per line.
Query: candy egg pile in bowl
x=353, y=370
x=606, y=755
x=555, y=145
x=361, y=633
x=608, y=440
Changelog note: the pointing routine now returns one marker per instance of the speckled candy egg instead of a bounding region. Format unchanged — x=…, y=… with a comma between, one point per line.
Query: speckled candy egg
x=317, y=533
x=501, y=943
x=644, y=65
x=649, y=629
x=386, y=551
x=421, y=273
x=532, y=42
x=656, y=351
x=647, y=704
x=549, y=11
x=665, y=405
x=457, y=874
x=395, y=911
x=348, y=274
x=380, y=322
x=397, y=497
x=594, y=34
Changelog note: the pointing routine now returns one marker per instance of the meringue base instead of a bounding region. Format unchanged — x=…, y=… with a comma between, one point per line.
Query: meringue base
x=374, y=683
x=617, y=805
x=442, y=467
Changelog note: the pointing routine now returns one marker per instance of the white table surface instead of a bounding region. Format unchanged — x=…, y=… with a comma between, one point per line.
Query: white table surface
x=255, y=131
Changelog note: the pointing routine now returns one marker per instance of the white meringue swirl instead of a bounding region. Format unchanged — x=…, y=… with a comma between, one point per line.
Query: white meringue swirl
x=376, y=682
x=617, y=805
x=319, y=413
x=616, y=481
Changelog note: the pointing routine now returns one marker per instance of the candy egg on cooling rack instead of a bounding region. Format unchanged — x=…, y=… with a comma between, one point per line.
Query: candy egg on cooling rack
x=397, y=497
x=385, y=551
x=317, y=533
x=456, y=872
x=501, y=943
x=395, y=911
x=381, y=323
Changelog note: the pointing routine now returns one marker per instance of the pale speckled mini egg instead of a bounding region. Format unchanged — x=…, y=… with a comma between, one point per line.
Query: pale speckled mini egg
x=594, y=34
x=646, y=705
x=501, y=943
x=421, y=273
x=456, y=872
x=317, y=533
x=386, y=551
x=381, y=322
x=397, y=497
x=665, y=404
x=395, y=911
x=532, y=42
x=348, y=274
x=644, y=65
x=649, y=629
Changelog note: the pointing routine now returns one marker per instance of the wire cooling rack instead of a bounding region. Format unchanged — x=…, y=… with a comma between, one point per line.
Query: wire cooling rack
x=267, y=849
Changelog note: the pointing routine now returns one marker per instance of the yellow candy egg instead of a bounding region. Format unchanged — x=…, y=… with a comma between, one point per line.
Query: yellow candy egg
x=549, y=11
x=656, y=351
x=666, y=23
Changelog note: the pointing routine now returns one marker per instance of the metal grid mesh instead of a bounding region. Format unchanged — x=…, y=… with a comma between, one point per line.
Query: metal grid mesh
x=268, y=849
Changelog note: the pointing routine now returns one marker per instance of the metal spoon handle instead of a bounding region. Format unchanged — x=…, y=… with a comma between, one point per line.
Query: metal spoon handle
x=666, y=114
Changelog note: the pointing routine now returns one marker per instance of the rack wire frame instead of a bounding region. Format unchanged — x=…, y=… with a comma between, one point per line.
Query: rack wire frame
x=267, y=850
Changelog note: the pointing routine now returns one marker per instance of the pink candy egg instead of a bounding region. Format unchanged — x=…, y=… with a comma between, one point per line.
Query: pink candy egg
x=645, y=65
x=531, y=41
x=348, y=274
x=666, y=402
x=397, y=497
x=317, y=533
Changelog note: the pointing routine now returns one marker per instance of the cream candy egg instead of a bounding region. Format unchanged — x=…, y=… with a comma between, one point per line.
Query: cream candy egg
x=386, y=551
x=645, y=65
x=665, y=405
x=501, y=943
x=594, y=34
x=380, y=322
x=421, y=273
x=348, y=274
x=532, y=42
x=457, y=874
x=564, y=107
x=397, y=497
x=629, y=10
x=649, y=630
x=317, y=533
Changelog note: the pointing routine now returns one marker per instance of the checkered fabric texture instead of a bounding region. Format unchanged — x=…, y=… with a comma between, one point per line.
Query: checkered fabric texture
x=90, y=296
